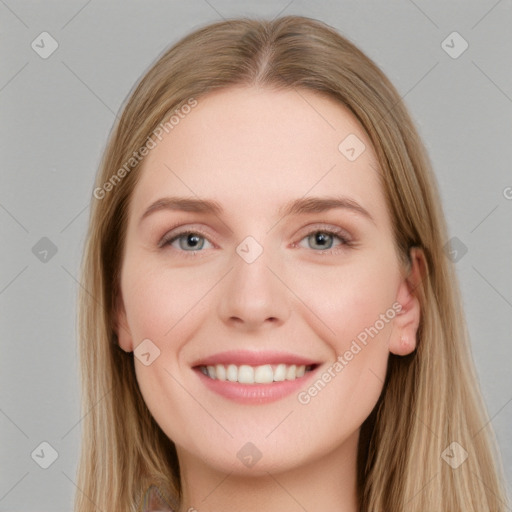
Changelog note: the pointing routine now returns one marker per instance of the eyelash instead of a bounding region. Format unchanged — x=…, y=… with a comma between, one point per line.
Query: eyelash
x=167, y=240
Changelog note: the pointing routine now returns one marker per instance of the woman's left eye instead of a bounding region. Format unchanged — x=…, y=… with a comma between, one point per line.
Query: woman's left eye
x=323, y=239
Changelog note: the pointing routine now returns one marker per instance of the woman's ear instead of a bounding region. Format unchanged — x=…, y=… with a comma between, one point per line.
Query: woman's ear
x=403, y=340
x=121, y=327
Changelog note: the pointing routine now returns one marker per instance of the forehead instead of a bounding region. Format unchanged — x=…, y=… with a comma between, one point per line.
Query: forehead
x=254, y=148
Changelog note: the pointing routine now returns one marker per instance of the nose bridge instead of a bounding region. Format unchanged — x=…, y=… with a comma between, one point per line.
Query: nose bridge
x=252, y=293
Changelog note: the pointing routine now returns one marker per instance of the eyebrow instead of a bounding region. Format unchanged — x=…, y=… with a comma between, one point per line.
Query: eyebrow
x=296, y=207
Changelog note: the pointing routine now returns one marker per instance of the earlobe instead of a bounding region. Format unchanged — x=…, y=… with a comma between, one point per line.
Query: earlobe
x=404, y=338
x=121, y=327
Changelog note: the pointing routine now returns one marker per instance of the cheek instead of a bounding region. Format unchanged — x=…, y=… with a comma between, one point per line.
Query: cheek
x=164, y=306
x=355, y=318
x=356, y=307
x=159, y=302
x=352, y=302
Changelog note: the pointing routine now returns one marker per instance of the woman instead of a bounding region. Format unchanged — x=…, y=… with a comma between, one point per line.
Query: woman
x=268, y=318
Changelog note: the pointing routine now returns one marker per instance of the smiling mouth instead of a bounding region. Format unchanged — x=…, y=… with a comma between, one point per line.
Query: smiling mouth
x=262, y=374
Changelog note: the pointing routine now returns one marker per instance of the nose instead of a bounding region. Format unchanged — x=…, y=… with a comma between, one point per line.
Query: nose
x=254, y=294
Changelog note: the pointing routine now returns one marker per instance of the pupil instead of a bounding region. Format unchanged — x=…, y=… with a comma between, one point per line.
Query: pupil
x=193, y=239
x=321, y=238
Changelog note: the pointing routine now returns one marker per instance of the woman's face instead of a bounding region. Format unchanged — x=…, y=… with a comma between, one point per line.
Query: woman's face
x=288, y=291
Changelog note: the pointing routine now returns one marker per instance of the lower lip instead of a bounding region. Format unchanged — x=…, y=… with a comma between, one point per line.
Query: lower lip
x=255, y=393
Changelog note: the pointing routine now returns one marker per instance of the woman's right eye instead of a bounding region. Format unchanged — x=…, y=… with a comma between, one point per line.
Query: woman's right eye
x=186, y=241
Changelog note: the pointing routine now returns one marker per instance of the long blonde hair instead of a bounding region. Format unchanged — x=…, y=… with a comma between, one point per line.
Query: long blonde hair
x=430, y=398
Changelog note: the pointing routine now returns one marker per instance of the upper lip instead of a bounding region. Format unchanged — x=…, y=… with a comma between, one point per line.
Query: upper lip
x=253, y=358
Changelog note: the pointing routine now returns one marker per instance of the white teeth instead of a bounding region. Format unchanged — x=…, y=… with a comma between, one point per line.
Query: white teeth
x=246, y=374
x=264, y=374
x=290, y=372
x=232, y=373
x=280, y=373
x=221, y=372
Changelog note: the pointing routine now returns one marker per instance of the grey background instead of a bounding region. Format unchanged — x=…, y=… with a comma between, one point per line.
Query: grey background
x=55, y=117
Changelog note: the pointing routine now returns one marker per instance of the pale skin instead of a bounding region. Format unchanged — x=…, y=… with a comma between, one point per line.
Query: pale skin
x=253, y=150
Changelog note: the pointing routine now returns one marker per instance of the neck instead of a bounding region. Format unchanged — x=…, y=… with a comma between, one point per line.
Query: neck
x=327, y=483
